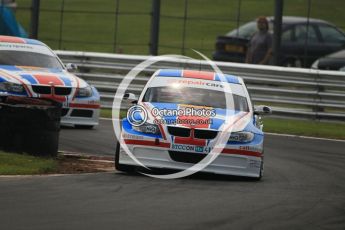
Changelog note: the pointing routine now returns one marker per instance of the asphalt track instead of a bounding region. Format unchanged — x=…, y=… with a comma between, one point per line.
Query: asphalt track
x=303, y=188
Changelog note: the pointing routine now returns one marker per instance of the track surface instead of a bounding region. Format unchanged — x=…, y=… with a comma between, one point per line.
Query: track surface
x=303, y=188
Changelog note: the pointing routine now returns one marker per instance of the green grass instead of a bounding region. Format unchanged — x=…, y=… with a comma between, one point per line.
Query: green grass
x=94, y=30
x=18, y=164
x=305, y=128
x=288, y=126
x=106, y=113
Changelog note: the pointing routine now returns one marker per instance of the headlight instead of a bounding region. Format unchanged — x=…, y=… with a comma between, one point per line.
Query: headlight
x=241, y=137
x=147, y=128
x=85, y=92
x=11, y=87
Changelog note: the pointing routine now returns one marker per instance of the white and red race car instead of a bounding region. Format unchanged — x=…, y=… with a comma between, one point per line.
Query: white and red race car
x=29, y=68
x=162, y=131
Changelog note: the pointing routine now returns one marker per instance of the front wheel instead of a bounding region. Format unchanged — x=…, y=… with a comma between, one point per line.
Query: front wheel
x=122, y=167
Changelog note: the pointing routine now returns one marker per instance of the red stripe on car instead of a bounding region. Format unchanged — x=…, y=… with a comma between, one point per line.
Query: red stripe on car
x=198, y=74
x=11, y=39
x=86, y=106
x=147, y=143
x=48, y=80
x=242, y=152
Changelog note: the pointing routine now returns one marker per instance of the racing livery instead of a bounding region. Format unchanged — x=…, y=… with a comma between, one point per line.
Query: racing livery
x=187, y=113
x=29, y=68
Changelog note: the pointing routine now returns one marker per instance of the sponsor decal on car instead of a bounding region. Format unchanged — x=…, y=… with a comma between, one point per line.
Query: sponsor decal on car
x=195, y=82
x=131, y=136
x=190, y=148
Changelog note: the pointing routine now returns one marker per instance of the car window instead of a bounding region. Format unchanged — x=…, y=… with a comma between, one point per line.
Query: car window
x=301, y=34
x=245, y=31
x=21, y=58
x=331, y=35
x=287, y=35
x=193, y=96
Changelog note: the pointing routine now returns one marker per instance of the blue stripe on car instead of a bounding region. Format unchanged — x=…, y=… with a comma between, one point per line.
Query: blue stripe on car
x=229, y=78
x=9, y=67
x=170, y=73
x=66, y=81
x=29, y=78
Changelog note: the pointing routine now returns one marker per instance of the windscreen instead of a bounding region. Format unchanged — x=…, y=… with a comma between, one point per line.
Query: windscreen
x=193, y=96
x=245, y=31
x=23, y=58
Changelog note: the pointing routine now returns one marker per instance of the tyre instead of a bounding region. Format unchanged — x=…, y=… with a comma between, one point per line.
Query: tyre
x=122, y=167
x=261, y=172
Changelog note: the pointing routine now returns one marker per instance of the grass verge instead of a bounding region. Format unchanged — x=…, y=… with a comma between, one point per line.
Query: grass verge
x=305, y=128
x=288, y=126
x=21, y=164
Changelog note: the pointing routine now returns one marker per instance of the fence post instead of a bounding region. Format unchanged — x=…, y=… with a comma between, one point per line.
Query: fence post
x=35, y=13
x=155, y=27
x=278, y=15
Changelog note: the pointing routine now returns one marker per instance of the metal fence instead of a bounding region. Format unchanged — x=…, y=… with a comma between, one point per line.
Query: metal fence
x=292, y=92
x=123, y=26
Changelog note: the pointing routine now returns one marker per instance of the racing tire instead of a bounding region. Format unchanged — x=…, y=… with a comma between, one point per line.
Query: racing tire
x=122, y=167
x=261, y=172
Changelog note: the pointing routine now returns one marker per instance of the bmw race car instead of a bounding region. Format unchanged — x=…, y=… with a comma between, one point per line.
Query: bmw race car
x=183, y=115
x=29, y=68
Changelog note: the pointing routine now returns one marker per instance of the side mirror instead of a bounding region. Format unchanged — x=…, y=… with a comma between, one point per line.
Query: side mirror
x=130, y=97
x=71, y=67
x=262, y=110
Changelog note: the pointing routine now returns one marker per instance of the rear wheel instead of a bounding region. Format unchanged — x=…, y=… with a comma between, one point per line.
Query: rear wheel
x=122, y=167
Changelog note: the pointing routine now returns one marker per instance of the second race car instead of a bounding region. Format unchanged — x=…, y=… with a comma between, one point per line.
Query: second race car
x=29, y=68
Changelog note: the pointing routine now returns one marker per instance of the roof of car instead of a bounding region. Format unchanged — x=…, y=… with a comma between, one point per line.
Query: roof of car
x=296, y=19
x=10, y=39
x=204, y=75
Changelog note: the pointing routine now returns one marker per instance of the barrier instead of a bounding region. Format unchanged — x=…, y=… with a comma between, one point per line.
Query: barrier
x=291, y=92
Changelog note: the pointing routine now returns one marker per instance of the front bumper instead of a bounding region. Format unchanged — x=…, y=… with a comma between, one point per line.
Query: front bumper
x=82, y=111
x=233, y=161
x=80, y=116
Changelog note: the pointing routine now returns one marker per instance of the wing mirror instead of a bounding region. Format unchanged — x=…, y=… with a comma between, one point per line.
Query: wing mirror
x=262, y=110
x=71, y=67
x=132, y=98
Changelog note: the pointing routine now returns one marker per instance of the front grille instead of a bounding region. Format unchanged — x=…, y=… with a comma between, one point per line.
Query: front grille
x=41, y=89
x=186, y=157
x=62, y=91
x=179, y=131
x=205, y=134
x=81, y=113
